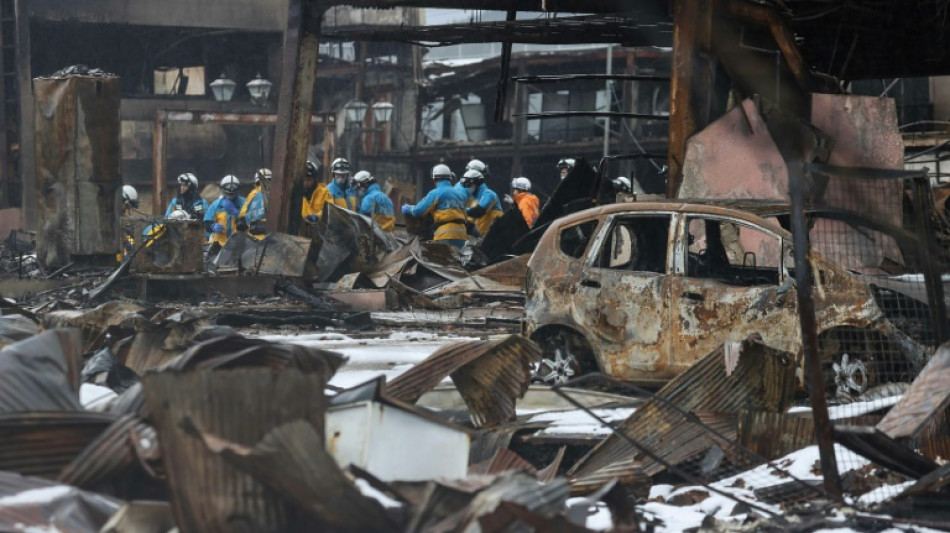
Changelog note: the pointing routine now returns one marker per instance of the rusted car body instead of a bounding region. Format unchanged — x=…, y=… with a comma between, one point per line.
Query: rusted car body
x=643, y=290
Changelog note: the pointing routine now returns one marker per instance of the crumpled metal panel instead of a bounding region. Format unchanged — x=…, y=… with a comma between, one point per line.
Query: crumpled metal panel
x=772, y=435
x=111, y=452
x=41, y=373
x=928, y=396
x=94, y=323
x=242, y=405
x=42, y=444
x=763, y=380
x=339, y=230
x=49, y=506
x=174, y=249
x=78, y=167
x=292, y=461
x=510, y=272
x=490, y=376
x=276, y=254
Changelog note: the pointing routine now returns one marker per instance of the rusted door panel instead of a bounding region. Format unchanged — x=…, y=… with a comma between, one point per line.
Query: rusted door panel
x=623, y=316
x=707, y=313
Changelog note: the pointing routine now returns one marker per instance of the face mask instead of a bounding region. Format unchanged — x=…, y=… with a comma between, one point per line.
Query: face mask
x=340, y=180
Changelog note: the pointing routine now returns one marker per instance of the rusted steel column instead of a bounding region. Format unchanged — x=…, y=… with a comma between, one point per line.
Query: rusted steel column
x=932, y=276
x=159, y=154
x=294, y=108
x=691, y=80
x=809, y=326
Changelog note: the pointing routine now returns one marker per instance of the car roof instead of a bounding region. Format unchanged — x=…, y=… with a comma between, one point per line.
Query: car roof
x=742, y=209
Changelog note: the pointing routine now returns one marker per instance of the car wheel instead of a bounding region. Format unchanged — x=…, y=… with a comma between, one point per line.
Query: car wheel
x=565, y=356
x=856, y=360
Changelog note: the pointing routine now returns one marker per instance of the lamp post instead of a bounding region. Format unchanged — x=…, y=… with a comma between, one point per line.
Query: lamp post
x=223, y=89
x=355, y=111
x=259, y=89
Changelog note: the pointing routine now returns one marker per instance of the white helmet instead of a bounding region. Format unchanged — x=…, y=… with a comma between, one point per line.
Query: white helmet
x=621, y=184
x=340, y=166
x=230, y=184
x=178, y=214
x=442, y=172
x=521, y=183
x=130, y=195
x=476, y=164
x=566, y=163
x=188, y=179
x=363, y=178
x=472, y=177
x=264, y=173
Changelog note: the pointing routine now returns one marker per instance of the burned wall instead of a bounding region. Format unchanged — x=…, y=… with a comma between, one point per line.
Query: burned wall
x=78, y=167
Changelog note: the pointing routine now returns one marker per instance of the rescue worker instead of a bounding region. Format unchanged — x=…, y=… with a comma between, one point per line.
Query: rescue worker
x=188, y=199
x=484, y=207
x=621, y=184
x=565, y=166
x=130, y=202
x=447, y=206
x=474, y=164
x=253, y=215
x=222, y=216
x=315, y=194
x=341, y=193
x=374, y=202
x=527, y=203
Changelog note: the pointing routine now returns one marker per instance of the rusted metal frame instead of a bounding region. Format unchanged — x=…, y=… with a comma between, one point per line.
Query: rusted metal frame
x=809, y=328
x=783, y=36
x=595, y=77
x=690, y=82
x=669, y=466
x=562, y=114
x=295, y=105
x=501, y=91
x=249, y=119
x=520, y=124
x=159, y=156
x=932, y=275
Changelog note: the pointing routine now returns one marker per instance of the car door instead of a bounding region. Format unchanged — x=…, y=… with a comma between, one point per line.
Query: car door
x=730, y=282
x=620, y=297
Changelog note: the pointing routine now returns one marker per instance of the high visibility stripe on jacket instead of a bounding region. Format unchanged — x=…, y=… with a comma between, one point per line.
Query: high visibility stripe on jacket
x=530, y=207
x=447, y=206
x=487, y=199
x=377, y=205
x=314, y=204
x=216, y=213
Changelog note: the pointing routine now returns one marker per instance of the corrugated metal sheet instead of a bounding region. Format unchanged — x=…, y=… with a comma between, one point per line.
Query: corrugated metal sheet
x=241, y=406
x=503, y=461
x=928, y=396
x=41, y=373
x=490, y=376
x=762, y=380
x=773, y=435
x=292, y=461
x=67, y=509
x=934, y=439
x=42, y=444
x=111, y=452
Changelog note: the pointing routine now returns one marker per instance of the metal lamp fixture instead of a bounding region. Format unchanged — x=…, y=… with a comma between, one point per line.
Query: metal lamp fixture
x=259, y=88
x=355, y=111
x=223, y=89
x=382, y=112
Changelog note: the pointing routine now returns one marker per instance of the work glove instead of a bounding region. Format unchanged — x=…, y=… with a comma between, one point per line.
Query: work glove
x=217, y=228
x=312, y=219
x=406, y=209
x=509, y=201
x=242, y=224
x=229, y=206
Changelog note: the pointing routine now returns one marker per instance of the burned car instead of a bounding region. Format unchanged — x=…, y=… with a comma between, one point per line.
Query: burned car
x=641, y=291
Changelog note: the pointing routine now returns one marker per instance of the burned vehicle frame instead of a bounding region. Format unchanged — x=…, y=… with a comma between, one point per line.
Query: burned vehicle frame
x=640, y=291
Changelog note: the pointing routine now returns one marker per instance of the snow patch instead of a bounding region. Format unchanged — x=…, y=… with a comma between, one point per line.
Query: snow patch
x=95, y=397
x=36, y=496
x=577, y=421
x=370, y=492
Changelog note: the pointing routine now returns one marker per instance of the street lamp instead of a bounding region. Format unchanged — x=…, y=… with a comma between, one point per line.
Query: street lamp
x=259, y=88
x=223, y=89
x=355, y=111
x=382, y=112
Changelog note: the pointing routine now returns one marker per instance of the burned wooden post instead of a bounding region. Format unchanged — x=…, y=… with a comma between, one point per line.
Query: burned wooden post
x=298, y=78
